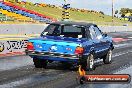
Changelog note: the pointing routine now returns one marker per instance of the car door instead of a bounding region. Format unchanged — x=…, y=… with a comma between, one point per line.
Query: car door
x=103, y=45
x=96, y=44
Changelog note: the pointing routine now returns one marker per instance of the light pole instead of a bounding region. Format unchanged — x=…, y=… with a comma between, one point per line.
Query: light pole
x=112, y=10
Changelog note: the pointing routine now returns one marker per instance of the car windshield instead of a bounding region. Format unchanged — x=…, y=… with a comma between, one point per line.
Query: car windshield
x=65, y=30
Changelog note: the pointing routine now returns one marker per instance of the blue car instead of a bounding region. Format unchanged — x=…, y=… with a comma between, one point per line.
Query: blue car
x=75, y=42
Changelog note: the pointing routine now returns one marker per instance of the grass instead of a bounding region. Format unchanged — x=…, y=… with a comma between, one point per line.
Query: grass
x=77, y=16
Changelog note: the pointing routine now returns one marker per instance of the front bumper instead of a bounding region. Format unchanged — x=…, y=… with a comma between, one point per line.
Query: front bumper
x=53, y=55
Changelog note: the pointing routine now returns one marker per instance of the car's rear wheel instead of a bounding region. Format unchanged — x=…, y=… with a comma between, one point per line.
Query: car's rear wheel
x=40, y=63
x=89, y=63
x=107, y=59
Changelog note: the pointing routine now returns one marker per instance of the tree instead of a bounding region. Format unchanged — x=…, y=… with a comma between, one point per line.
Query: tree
x=101, y=12
x=16, y=0
x=124, y=11
x=122, y=15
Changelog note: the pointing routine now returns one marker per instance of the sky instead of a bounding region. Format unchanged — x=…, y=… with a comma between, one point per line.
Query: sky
x=98, y=5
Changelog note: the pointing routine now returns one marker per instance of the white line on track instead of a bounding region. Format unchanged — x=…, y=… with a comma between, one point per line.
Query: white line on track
x=115, y=55
x=130, y=37
x=122, y=53
x=123, y=45
x=120, y=45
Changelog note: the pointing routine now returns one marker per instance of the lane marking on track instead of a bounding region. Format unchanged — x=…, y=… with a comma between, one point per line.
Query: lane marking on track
x=130, y=37
x=124, y=45
x=120, y=45
x=113, y=56
x=122, y=53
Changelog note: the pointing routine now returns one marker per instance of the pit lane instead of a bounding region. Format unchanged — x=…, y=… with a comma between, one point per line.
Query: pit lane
x=19, y=72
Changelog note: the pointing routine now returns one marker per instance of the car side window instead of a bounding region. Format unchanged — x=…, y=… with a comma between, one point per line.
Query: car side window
x=92, y=32
x=57, y=30
x=98, y=32
x=87, y=34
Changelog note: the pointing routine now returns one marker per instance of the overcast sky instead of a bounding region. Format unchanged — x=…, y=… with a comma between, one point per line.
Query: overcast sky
x=99, y=5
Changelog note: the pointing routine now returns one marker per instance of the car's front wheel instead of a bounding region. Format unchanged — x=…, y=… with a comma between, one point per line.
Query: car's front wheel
x=89, y=63
x=107, y=59
x=40, y=63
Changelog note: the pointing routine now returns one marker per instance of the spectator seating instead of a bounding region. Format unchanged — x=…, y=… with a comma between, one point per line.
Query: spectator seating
x=16, y=16
x=5, y=18
x=18, y=12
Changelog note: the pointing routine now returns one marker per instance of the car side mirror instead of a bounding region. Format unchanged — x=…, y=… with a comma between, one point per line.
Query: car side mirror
x=105, y=35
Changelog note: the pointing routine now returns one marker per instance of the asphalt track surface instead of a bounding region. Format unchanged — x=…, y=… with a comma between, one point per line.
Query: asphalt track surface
x=19, y=71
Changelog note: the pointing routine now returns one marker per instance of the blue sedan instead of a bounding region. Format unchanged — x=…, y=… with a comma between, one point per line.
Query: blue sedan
x=75, y=42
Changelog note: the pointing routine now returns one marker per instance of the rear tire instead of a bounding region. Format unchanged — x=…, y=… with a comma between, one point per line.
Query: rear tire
x=108, y=58
x=39, y=63
x=89, y=63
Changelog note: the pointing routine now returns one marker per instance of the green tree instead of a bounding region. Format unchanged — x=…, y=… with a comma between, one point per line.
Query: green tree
x=101, y=12
x=124, y=11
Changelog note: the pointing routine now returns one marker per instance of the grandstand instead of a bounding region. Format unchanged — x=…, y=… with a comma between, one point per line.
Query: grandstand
x=5, y=18
x=15, y=16
x=22, y=14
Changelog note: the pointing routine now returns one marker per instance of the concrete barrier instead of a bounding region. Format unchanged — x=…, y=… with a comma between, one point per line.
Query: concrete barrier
x=115, y=28
x=22, y=29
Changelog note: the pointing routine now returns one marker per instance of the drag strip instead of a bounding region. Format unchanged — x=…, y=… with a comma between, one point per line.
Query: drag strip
x=19, y=71
x=28, y=76
x=70, y=79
